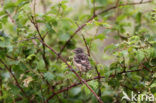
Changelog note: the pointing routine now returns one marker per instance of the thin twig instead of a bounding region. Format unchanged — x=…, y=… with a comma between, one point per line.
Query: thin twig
x=88, y=50
x=87, y=47
x=11, y=18
x=96, y=14
x=33, y=21
x=99, y=82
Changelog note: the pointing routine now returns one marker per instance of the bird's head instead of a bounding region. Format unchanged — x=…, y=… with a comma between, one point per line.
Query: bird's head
x=78, y=50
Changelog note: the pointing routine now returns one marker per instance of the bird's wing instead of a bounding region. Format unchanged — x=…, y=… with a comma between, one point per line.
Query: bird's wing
x=85, y=61
x=81, y=61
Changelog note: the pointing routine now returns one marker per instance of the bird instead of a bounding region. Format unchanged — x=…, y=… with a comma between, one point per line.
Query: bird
x=81, y=60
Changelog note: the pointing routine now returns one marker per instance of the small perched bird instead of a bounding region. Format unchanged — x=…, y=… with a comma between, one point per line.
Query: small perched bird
x=81, y=60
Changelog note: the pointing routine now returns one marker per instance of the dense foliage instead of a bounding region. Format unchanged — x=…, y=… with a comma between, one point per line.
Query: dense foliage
x=30, y=71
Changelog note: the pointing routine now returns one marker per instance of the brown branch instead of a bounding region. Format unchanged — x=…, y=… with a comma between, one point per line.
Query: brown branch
x=96, y=14
x=88, y=50
x=16, y=81
x=97, y=77
x=69, y=66
x=99, y=83
x=11, y=18
x=33, y=21
x=79, y=28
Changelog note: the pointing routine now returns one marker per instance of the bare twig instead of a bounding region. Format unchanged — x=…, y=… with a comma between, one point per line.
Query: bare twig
x=88, y=50
x=99, y=82
x=96, y=14
x=87, y=47
x=69, y=66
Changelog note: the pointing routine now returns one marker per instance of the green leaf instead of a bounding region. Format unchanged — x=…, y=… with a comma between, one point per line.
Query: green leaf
x=138, y=17
x=110, y=48
x=10, y=5
x=140, y=56
x=50, y=29
x=100, y=36
x=75, y=91
x=64, y=37
x=30, y=57
x=126, y=57
x=2, y=13
x=49, y=76
x=0, y=25
x=85, y=88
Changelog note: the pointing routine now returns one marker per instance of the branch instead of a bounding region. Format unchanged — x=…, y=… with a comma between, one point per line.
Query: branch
x=33, y=21
x=88, y=50
x=95, y=15
x=69, y=66
x=11, y=18
x=99, y=83
x=97, y=77
x=87, y=47
x=16, y=81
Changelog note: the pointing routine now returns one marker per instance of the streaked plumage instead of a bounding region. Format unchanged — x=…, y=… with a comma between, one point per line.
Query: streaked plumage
x=81, y=60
